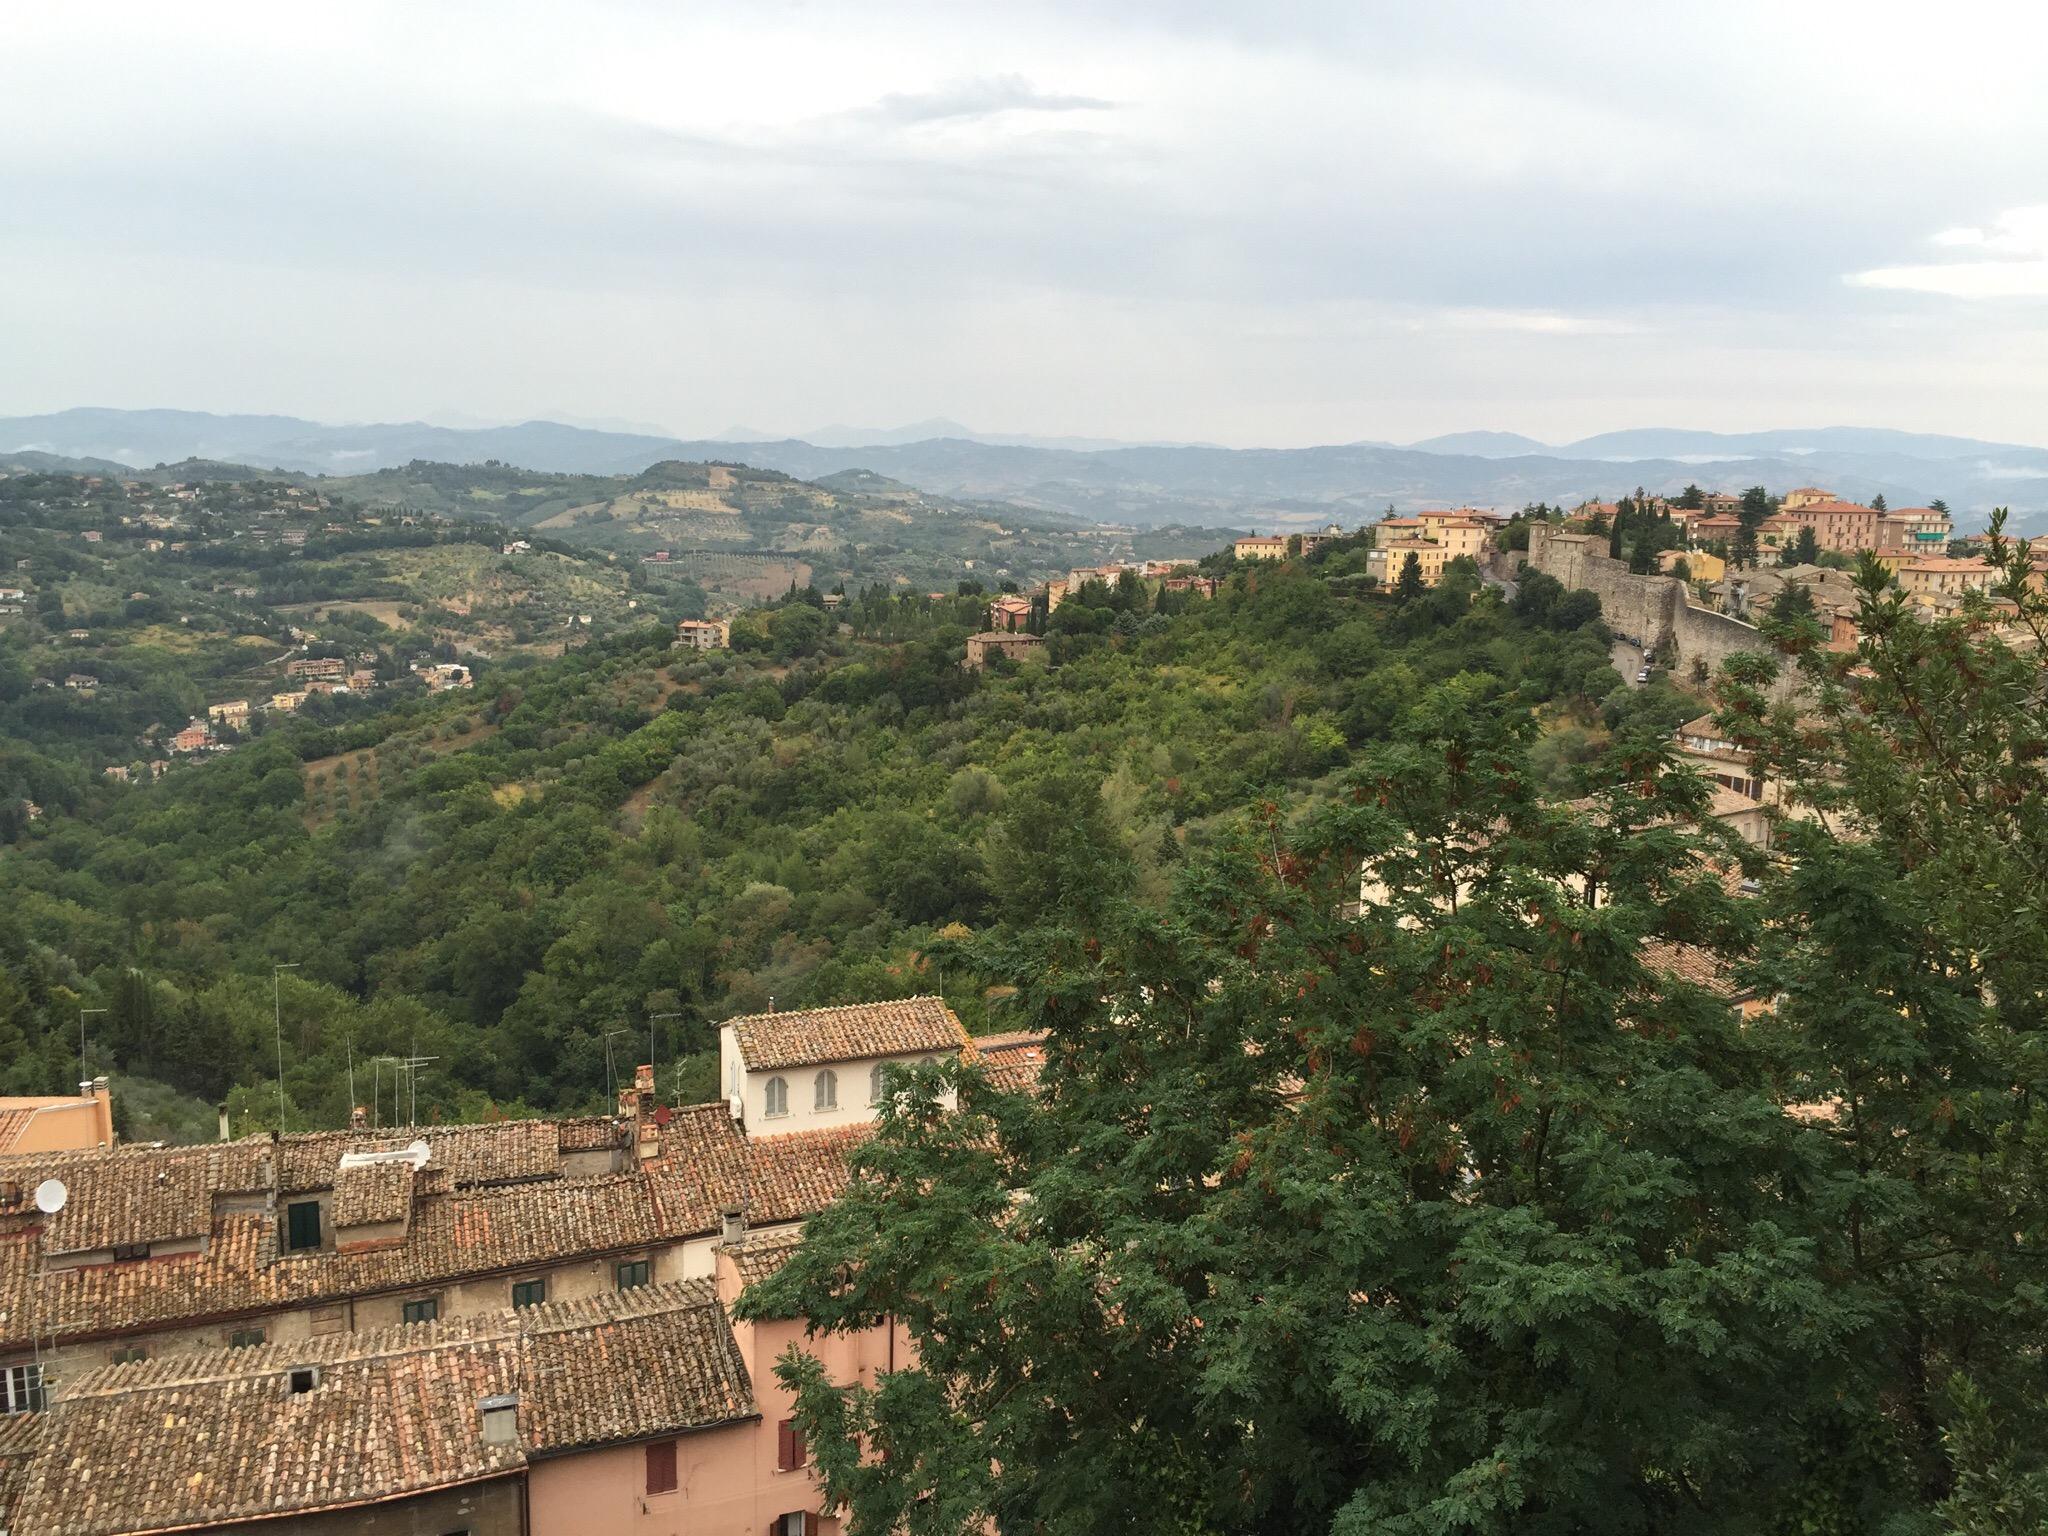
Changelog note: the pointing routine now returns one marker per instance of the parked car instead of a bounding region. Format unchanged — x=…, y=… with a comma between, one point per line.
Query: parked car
x=1643, y=676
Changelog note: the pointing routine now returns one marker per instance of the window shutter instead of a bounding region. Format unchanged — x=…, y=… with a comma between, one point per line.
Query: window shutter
x=661, y=1467
x=796, y=1445
x=785, y=1441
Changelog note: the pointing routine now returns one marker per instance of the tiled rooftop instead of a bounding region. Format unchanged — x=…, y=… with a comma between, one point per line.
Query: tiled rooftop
x=706, y=1164
x=1011, y=1061
x=372, y=1194
x=760, y=1254
x=214, y=1436
x=811, y=1036
x=1688, y=962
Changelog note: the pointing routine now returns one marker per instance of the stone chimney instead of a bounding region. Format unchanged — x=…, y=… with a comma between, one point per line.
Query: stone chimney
x=733, y=1221
x=359, y=1119
x=647, y=1122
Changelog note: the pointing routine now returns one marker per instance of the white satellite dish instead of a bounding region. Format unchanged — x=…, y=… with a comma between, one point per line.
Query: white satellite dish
x=419, y=1152
x=51, y=1195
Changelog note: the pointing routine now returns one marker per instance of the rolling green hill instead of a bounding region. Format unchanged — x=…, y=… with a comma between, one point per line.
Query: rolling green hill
x=582, y=843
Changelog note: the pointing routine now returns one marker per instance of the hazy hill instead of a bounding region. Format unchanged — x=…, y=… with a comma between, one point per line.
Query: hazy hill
x=1146, y=484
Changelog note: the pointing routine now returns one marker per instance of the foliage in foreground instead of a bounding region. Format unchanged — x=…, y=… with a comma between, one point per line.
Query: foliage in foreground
x=1456, y=1217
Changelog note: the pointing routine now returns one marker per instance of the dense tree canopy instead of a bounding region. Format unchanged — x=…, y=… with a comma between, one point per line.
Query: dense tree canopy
x=1452, y=1212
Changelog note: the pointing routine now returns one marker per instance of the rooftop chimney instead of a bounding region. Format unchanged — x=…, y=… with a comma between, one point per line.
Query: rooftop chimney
x=500, y=1416
x=225, y=1134
x=734, y=1220
x=358, y=1118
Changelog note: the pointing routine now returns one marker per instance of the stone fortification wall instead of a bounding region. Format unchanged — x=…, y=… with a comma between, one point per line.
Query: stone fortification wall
x=1648, y=609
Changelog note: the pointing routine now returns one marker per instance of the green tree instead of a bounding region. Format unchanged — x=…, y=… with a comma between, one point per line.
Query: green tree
x=1909, y=961
x=1448, y=1216
x=1750, y=516
x=1409, y=585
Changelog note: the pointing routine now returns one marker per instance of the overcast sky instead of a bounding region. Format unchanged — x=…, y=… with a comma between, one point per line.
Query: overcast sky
x=1273, y=224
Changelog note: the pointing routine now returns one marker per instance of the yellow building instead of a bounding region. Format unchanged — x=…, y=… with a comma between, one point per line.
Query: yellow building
x=1261, y=546
x=1933, y=583
x=1390, y=556
x=1703, y=565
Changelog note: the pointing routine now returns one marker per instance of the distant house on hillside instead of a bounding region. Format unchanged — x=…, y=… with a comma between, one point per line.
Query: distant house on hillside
x=703, y=635
x=194, y=738
x=439, y=675
x=1009, y=613
x=1260, y=546
x=328, y=668
x=1015, y=646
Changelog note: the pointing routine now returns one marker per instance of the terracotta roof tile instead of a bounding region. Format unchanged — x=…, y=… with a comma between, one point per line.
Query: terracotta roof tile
x=214, y=1436
x=1688, y=962
x=706, y=1164
x=503, y=1152
x=813, y=1035
x=760, y=1254
x=21, y=1436
x=1012, y=1061
x=374, y=1194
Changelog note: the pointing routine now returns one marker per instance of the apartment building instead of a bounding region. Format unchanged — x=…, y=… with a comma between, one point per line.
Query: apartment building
x=1260, y=546
x=1941, y=582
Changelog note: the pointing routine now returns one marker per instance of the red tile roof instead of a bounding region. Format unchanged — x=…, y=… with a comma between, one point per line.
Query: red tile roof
x=706, y=1164
x=217, y=1436
x=812, y=1036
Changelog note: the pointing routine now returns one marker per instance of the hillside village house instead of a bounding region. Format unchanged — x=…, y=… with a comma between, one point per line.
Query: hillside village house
x=234, y=712
x=196, y=737
x=1260, y=546
x=225, y=1308
x=1009, y=613
x=327, y=668
x=787, y=1072
x=1700, y=564
x=440, y=675
x=1016, y=647
x=703, y=634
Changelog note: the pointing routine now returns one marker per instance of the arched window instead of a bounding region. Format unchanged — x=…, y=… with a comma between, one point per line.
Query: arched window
x=875, y=1082
x=777, y=1095
x=828, y=1090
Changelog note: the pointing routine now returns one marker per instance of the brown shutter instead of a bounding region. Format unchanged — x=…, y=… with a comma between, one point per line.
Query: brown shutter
x=661, y=1466
x=797, y=1447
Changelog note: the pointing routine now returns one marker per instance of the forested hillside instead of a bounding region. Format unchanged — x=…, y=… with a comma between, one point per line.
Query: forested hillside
x=630, y=837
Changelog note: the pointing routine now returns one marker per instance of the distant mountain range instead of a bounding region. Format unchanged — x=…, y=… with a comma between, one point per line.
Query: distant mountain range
x=1123, y=483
